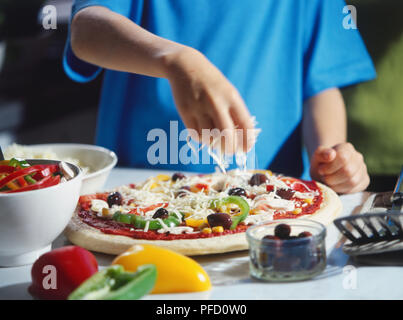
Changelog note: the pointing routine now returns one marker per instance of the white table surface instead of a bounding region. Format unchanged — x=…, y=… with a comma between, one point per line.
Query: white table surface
x=229, y=272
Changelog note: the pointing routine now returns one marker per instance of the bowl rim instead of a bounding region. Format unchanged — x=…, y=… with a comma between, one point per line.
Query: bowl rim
x=79, y=176
x=83, y=146
x=319, y=236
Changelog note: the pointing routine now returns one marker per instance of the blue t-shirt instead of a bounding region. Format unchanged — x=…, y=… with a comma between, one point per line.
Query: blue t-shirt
x=276, y=53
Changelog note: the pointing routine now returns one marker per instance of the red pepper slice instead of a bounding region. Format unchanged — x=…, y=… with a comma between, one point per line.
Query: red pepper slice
x=149, y=208
x=44, y=183
x=269, y=188
x=17, y=174
x=22, y=182
x=7, y=169
x=42, y=170
x=85, y=201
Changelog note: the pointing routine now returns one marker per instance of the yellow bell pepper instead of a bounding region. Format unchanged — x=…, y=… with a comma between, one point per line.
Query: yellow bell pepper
x=175, y=272
x=195, y=223
x=159, y=178
x=263, y=171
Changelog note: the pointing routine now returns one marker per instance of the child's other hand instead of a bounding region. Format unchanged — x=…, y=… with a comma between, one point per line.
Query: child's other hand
x=341, y=167
x=205, y=99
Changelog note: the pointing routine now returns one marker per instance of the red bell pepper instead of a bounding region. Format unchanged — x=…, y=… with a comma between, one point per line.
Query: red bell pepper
x=17, y=174
x=85, y=201
x=149, y=208
x=6, y=169
x=58, y=272
x=44, y=183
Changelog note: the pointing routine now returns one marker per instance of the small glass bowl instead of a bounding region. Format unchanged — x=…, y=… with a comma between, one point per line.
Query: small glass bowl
x=291, y=259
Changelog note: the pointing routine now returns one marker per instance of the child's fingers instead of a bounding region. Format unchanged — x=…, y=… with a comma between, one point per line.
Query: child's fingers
x=243, y=121
x=343, y=154
x=347, y=174
x=205, y=125
x=358, y=182
x=223, y=122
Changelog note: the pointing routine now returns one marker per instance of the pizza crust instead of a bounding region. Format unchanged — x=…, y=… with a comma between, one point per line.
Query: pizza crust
x=83, y=235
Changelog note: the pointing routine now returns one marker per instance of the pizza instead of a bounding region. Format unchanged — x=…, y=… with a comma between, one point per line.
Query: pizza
x=196, y=214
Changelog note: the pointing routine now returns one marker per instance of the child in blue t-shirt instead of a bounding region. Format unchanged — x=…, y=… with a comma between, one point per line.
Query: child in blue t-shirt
x=207, y=64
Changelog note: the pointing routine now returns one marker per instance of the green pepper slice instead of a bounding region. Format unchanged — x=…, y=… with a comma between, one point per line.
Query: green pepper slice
x=14, y=162
x=240, y=202
x=140, y=223
x=114, y=283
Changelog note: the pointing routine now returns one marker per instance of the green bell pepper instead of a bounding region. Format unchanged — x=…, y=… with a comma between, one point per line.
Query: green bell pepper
x=114, y=283
x=140, y=223
x=14, y=162
x=238, y=201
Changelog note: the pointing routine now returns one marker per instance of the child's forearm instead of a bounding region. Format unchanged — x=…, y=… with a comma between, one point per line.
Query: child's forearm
x=324, y=121
x=110, y=40
x=204, y=98
x=334, y=161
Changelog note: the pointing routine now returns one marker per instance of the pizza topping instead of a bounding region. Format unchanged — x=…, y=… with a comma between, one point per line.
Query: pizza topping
x=227, y=204
x=285, y=193
x=177, y=176
x=219, y=219
x=115, y=198
x=274, y=203
x=217, y=229
x=152, y=224
x=161, y=213
x=98, y=205
x=237, y=192
x=189, y=200
x=257, y=179
x=183, y=191
x=195, y=223
x=175, y=230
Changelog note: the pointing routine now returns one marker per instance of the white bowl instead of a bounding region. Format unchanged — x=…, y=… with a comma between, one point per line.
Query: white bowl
x=31, y=220
x=99, y=160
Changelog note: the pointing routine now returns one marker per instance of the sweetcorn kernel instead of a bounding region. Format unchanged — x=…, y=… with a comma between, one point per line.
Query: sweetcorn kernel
x=308, y=201
x=297, y=211
x=206, y=230
x=105, y=212
x=218, y=229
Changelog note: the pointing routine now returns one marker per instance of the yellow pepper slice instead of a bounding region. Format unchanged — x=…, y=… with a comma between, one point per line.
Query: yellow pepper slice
x=195, y=223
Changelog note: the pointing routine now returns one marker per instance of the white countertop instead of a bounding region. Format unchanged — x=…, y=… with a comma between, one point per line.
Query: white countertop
x=229, y=273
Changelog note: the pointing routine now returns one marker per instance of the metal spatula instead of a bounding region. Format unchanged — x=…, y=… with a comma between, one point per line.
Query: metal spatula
x=371, y=233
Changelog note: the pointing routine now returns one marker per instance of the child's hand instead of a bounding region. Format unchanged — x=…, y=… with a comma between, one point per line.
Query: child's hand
x=205, y=99
x=341, y=167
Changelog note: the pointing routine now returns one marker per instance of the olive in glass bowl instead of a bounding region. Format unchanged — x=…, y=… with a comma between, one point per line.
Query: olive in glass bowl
x=287, y=250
